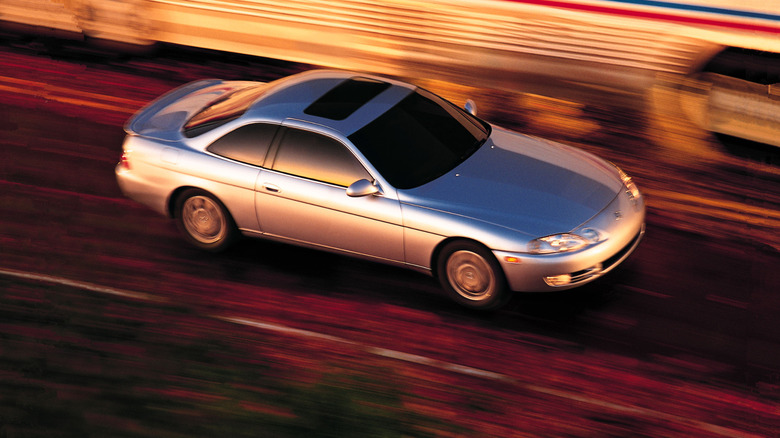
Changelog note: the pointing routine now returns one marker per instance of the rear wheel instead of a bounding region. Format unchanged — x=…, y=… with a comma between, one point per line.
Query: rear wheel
x=204, y=221
x=472, y=276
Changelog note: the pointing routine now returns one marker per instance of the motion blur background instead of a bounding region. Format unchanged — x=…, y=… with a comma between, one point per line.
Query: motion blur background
x=111, y=326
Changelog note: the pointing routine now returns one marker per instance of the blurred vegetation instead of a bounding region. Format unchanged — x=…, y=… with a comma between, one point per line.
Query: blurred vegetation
x=78, y=364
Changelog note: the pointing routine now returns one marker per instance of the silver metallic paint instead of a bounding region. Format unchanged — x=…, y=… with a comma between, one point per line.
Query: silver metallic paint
x=514, y=189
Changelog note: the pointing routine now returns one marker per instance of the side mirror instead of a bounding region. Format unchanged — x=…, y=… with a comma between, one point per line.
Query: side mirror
x=470, y=107
x=362, y=187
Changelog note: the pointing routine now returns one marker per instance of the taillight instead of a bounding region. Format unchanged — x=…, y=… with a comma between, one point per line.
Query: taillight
x=124, y=160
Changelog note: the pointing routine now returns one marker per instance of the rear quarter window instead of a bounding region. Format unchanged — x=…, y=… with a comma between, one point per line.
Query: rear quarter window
x=247, y=144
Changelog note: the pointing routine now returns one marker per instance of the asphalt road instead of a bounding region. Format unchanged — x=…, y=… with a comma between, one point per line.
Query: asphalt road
x=111, y=325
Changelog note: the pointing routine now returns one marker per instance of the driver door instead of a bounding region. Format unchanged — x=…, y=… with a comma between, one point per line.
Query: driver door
x=302, y=197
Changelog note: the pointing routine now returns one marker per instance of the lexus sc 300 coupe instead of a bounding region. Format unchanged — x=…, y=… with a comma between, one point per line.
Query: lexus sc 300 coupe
x=383, y=170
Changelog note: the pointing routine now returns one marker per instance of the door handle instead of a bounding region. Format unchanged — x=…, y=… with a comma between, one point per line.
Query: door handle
x=271, y=188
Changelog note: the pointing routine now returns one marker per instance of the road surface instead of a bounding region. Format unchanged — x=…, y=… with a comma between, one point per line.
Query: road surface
x=111, y=325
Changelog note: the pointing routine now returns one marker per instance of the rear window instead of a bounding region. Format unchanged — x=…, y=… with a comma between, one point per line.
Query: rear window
x=345, y=98
x=228, y=106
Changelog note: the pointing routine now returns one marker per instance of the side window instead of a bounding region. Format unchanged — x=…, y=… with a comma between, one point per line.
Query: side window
x=247, y=144
x=317, y=157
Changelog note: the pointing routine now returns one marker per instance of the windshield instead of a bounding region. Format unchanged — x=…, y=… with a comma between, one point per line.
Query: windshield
x=420, y=139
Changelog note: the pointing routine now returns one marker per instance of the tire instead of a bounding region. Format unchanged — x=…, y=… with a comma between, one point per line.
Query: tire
x=204, y=221
x=472, y=277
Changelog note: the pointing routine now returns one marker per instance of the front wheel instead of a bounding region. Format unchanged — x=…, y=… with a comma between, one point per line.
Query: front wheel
x=471, y=276
x=204, y=221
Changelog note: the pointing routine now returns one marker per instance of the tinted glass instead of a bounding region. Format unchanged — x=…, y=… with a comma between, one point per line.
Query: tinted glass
x=420, y=139
x=247, y=144
x=345, y=98
x=223, y=109
x=317, y=157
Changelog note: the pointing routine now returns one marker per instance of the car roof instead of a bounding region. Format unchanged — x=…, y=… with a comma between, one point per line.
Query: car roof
x=342, y=100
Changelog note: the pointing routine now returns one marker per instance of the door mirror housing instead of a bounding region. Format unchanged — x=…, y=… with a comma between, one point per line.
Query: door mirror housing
x=362, y=187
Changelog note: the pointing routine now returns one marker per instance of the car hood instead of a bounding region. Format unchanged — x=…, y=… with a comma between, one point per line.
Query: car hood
x=523, y=183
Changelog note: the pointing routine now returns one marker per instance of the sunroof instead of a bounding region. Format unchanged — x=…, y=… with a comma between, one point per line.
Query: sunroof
x=345, y=98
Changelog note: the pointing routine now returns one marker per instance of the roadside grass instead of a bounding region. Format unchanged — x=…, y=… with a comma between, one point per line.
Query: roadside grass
x=75, y=363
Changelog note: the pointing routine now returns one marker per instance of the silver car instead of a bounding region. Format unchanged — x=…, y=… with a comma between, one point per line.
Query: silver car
x=383, y=170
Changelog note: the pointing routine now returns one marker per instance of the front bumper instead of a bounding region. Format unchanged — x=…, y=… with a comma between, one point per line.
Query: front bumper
x=622, y=223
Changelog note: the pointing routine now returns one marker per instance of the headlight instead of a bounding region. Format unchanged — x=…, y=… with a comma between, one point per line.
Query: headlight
x=631, y=188
x=556, y=243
